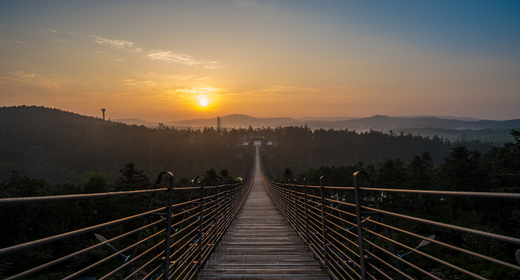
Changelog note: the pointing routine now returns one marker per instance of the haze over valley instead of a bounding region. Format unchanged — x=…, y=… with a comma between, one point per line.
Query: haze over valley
x=452, y=128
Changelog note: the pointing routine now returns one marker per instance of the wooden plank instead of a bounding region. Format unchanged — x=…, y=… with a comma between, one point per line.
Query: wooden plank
x=260, y=244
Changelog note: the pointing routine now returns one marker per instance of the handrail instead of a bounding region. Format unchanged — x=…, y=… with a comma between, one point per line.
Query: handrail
x=354, y=239
x=172, y=242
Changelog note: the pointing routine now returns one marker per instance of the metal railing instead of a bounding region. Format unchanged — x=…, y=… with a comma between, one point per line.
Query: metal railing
x=353, y=237
x=172, y=242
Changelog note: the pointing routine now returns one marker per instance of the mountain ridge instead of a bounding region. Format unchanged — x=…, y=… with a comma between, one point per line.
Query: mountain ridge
x=376, y=122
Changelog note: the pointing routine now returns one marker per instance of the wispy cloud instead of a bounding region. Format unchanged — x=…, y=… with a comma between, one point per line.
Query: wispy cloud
x=12, y=41
x=162, y=55
x=52, y=30
x=139, y=88
x=121, y=44
x=282, y=89
x=30, y=79
x=254, y=4
x=206, y=90
x=327, y=94
x=170, y=56
x=266, y=10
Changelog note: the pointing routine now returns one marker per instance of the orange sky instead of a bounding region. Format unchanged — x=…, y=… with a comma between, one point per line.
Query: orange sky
x=155, y=61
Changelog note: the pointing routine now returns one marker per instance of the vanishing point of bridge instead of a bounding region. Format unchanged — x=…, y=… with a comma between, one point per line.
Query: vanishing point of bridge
x=261, y=229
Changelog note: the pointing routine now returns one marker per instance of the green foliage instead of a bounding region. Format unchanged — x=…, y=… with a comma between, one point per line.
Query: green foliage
x=287, y=174
x=132, y=179
x=211, y=177
x=301, y=149
x=61, y=146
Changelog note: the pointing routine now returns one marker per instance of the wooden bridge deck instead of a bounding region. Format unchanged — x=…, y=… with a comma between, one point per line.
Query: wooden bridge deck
x=260, y=244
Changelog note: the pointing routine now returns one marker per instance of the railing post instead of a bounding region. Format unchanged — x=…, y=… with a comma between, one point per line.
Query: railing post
x=324, y=232
x=292, y=197
x=277, y=193
x=296, y=207
x=226, y=202
x=201, y=235
x=169, y=228
x=305, y=205
x=359, y=229
x=217, y=217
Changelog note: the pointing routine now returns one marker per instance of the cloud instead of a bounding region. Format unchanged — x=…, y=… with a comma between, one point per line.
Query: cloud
x=170, y=56
x=121, y=44
x=282, y=89
x=12, y=41
x=327, y=94
x=139, y=88
x=167, y=56
x=52, y=30
x=255, y=5
x=205, y=90
x=265, y=10
x=28, y=79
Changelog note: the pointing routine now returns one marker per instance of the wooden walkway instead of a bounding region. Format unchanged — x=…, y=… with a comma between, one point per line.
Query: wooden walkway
x=260, y=244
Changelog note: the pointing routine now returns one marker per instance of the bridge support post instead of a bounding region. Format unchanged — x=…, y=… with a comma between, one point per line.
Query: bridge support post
x=359, y=229
x=306, y=219
x=201, y=234
x=226, y=200
x=217, y=215
x=168, y=229
x=323, y=227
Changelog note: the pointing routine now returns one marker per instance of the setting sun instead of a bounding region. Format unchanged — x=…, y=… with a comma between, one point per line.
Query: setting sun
x=203, y=101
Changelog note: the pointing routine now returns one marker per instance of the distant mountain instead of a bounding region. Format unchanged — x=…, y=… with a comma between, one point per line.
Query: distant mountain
x=136, y=122
x=386, y=123
x=377, y=122
x=326, y=119
x=235, y=120
x=439, y=117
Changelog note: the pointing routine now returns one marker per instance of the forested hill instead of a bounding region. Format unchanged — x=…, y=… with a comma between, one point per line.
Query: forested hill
x=29, y=116
x=59, y=146
x=421, y=122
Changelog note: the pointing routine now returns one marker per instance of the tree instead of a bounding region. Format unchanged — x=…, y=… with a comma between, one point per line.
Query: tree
x=287, y=174
x=225, y=174
x=132, y=179
x=211, y=177
x=420, y=176
x=391, y=174
x=96, y=183
x=459, y=172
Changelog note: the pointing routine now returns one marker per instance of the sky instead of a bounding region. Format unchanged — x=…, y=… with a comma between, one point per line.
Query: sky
x=176, y=60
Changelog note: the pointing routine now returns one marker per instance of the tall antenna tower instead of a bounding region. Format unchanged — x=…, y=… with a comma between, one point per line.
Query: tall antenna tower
x=218, y=123
x=103, y=110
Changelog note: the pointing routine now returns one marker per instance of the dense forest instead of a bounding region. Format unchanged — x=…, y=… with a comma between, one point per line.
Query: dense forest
x=301, y=148
x=60, y=146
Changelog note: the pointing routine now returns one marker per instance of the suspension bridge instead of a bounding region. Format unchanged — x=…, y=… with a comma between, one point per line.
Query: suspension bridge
x=262, y=229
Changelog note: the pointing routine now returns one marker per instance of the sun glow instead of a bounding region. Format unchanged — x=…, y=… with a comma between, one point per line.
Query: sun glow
x=200, y=98
x=203, y=101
